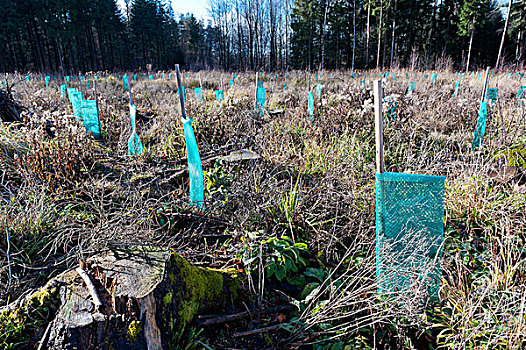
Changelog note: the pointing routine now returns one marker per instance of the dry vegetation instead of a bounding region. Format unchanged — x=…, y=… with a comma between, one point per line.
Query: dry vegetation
x=300, y=220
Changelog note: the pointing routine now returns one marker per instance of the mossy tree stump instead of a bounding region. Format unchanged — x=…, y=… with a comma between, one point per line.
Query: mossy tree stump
x=148, y=297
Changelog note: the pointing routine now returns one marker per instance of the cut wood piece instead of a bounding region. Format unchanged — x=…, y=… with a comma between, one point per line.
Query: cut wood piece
x=505, y=174
x=276, y=112
x=243, y=154
x=148, y=297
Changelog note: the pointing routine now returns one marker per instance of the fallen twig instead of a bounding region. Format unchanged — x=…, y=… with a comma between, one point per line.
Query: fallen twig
x=259, y=330
x=90, y=286
x=240, y=315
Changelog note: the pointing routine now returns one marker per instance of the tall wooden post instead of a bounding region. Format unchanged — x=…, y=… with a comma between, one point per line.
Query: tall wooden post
x=181, y=99
x=486, y=80
x=378, y=126
x=256, y=92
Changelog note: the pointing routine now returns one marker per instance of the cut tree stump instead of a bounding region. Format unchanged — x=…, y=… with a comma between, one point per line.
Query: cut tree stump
x=148, y=296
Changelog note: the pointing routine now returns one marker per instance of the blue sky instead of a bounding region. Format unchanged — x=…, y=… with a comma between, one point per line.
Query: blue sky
x=197, y=7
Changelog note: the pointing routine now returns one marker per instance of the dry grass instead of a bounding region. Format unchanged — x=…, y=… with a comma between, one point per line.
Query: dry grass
x=64, y=197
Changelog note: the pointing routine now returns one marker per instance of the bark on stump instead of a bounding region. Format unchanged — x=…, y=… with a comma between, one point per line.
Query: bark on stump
x=148, y=297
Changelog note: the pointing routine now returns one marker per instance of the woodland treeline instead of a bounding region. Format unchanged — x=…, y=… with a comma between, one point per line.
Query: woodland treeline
x=78, y=35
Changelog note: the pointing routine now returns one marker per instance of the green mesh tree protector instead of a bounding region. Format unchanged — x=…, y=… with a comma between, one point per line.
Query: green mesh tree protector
x=76, y=102
x=411, y=88
x=135, y=147
x=125, y=83
x=318, y=91
x=70, y=92
x=492, y=95
x=409, y=232
x=231, y=82
x=260, y=99
x=150, y=77
x=27, y=79
x=260, y=83
x=198, y=94
x=135, y=77
x=522, y=92
x=480, y=129
x=392, y=106
x=284, y=87
x=90, y=115
x=394, y=77
x=310, y=106
x=195, y=167
x=220, y=95
x=457, y=85
x=87, y=84
x=434, y=78
x=68, y=78
x=48, y=79
x=63, y=90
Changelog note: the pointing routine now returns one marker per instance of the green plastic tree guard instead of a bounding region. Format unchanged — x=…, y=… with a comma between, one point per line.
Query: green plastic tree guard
x=220, y=95
x=492, y=95
x=90, y=115
x=135, y=147
x=411, y=88
x=318, y=91
x=195, y=167
x=125, y=83
x=409, y=233
x=63, y=90
x=260, y=99
x=76, y=102
x=310, y=106
x=198, y=94
x=480, y=129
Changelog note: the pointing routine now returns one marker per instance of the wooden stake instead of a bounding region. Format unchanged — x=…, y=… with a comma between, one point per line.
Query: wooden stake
x=486, y=81
x=256, y=92
x=200, y=84
x=378, y=124
x=181, y=99
x=129, y=91
x=97, y=106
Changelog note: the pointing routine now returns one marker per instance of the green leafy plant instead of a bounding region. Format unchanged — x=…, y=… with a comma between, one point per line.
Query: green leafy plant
x=284, y=258
x=217, y=182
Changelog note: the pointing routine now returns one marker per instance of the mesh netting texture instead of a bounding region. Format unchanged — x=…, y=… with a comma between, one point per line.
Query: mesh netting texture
x=409, y=233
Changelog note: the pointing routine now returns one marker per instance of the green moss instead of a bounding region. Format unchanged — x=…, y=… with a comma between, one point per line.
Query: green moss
x=199, y=285
x=134, y=329
x=168, y=298
x=194, y=288
x=514, y=156
x=20, y=324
